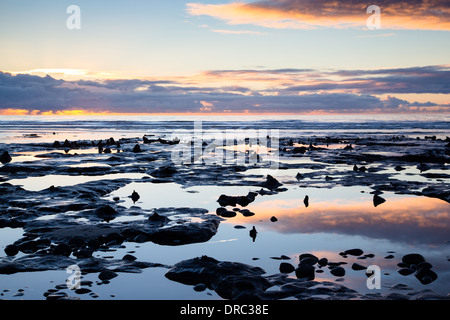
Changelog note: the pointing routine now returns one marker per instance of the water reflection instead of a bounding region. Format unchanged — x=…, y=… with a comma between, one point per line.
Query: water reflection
x=410, y=219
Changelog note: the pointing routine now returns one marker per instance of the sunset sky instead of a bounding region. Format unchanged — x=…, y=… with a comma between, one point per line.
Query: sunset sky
x=224, y=56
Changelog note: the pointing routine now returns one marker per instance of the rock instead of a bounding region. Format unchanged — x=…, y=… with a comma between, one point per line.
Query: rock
x=246, y=213
x=286, y=267
x=228, y=214
x=164, y=172
x=5, y=158
x=322, y=262
x=84, y=253
x=338, y=271
x=82, y=291
x=230, y=280
x=107, y=213
x=273, y=219
x=406, y=271
x=140, y=238
x=155, y=217
x=357, y=267
x=243, y=201
x=200, y=287
x=77, y=242
x=137, y=148
x=271, y=183
x=305, y=271
x=306, y=201
x=11, y=250
x=425, y=275
x=135, y=196
x=253, y=233
x=354, y=252
x=389, y=257
x=107, y=275
x=413, y=258
x=377, y=200
x=399, y=168
x=425, y=265
x=62, y=250
x=220, y=210
x=299, y=150
x=129, y=257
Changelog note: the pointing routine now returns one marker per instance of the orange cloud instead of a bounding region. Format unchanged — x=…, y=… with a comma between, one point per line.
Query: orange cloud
x=304, y=14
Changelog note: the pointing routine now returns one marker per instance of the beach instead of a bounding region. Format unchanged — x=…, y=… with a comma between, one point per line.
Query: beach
x=204, y=208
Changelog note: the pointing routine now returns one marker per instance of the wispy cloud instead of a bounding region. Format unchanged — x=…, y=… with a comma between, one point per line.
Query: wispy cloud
x=306, y=14
x=223, y=31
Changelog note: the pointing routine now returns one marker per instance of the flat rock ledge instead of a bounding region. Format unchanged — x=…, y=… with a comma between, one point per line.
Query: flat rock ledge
x=238, y=281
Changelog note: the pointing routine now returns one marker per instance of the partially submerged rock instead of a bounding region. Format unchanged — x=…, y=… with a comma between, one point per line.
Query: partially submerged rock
x=231, y=280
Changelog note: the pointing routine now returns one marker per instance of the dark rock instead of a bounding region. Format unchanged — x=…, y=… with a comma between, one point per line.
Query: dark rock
x=399, y=168
x=354, y=252
x=129, y=257
x=389, y=257
x=5, y=157
x=299, y=150
x=243, y=201
x=338, y=272
x=82, y=291
x=137, y=149
x=164, y=172
x=273, y=219
x=231, y=280
x=306, y=201
x=228, y=214
x=135, y=196
x=425, y=275
x=11, y=250
x=406, y=271
x=77, y=242
x=107, y=213
x=305, y=271
x=186, y=233
x=322, y=262
x=425, y=265
x=107, y=275
x=84, y=253
x=62, y=250
x=220, y=210
x=286, y=267
x=271, y=183
x=377, y=200
x=358, y=267
x=246, y=213
x=155, y=217
x=253, y=233
x=140, y=238
x=413, y=258
x=200, y=287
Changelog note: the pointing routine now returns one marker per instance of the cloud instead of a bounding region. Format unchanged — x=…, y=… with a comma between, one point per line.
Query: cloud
x=235, y=32
x=216, y=91
x=306, y=14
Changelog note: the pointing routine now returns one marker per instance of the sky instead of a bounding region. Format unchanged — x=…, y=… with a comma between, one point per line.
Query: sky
x=224, y=56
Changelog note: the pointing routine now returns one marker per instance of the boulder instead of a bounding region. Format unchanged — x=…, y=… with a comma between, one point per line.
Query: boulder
x=5, y=157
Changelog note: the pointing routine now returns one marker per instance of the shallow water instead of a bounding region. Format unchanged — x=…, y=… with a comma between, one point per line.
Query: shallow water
x=337, y=218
